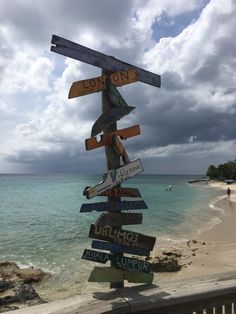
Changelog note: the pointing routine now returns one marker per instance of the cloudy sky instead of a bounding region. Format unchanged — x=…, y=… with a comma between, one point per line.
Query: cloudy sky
x=186, y=125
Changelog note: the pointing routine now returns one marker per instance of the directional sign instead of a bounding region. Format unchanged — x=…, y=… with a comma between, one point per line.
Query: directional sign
x=113, y=206
x=119, y=149
x=114, y=177
x=118, y=192
x=114, y=96
x=119, y=219
x=118, y=248
x=106, y=139
x=97, y=84
x=121, y=236
x=73, y=50
x=111, y=274
x=121, y=262
x=108, y=118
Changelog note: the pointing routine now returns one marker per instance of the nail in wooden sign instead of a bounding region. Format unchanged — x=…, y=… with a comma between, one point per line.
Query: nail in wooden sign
x=112, y=206
x=114, y=177
x=111, y=274
x=118, y=248
x=73, y=50
x=106, y=139
x=120, y=262
x=121, y=236
x=119, y=219
x=118, y=192
x=110, y=117
x=114, y=96
x=97, y=84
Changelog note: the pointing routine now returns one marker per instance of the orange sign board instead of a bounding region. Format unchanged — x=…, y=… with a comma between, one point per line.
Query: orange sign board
x=98, y=84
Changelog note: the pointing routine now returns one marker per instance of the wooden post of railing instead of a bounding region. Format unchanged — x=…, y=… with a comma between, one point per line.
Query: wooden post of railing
x=113, y=159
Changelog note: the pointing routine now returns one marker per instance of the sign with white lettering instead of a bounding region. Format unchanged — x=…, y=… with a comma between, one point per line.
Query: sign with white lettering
x=114, y=177
x=121, y=262
x=120, y=236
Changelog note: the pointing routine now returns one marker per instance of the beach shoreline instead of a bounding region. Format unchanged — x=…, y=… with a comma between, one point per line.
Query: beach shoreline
x=214, y=250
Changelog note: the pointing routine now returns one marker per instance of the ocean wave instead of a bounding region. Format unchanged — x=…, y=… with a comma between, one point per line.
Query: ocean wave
x=212, y=204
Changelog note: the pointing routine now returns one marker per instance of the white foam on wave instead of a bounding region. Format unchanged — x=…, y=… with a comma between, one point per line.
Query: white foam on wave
x=212, y=205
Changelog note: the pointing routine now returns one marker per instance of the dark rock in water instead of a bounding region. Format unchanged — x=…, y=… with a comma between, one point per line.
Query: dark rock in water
x=5, y=285
x=26, y=292
x=15, y=286
x=10, y=270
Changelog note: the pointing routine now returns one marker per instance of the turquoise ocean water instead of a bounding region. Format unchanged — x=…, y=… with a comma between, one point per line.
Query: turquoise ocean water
x=41, y=225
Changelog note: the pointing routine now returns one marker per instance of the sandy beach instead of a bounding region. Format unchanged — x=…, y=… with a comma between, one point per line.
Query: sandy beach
x=214, y=251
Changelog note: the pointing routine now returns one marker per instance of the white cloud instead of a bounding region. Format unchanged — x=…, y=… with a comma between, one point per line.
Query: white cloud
x=193, y=110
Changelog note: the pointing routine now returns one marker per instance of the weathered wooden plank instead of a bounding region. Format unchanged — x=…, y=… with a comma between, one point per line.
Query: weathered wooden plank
x=108, y=118
x=106, y=139
x=109, y=63
x=97, y=84
x=120, y=262
x=113, y=206
x=120, y=150
x=114, y=95
x=111, y=274
x=119, y=219
x=118, y=248
x=118, y=192
x=115, y=177
x=121, y=236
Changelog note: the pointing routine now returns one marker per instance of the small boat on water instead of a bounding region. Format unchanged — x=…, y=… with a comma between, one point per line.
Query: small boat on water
x=204, y=179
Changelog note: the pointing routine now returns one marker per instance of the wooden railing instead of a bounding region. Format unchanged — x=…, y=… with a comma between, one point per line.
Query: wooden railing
x=215, y=294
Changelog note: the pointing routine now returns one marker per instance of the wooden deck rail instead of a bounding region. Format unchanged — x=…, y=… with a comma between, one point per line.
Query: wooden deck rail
x=215, y=294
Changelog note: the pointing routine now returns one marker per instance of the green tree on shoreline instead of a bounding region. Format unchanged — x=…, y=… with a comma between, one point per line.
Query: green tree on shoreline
x=224, y=171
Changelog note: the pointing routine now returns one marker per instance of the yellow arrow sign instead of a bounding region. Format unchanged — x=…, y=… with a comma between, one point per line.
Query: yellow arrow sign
x=98, y=84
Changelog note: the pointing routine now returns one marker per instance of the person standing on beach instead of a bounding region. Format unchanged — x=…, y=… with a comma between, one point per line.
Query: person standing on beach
x=228, y=192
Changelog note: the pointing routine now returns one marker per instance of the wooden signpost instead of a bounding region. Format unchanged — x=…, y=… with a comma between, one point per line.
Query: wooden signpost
x=121, y=262
x=73, y=50
x=118, y=192
x=113, y=206
x=105, y=274
x=106, y=139
x=120, y=150
x=108, y=227
x=115, y=97
x=114, y=177
x=110, y=117
x=119, y=219
x=121, y=236
x=97, y=84
x=119, y=248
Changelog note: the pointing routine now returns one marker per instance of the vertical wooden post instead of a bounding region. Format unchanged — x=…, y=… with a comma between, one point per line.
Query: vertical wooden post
x=112, y=159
